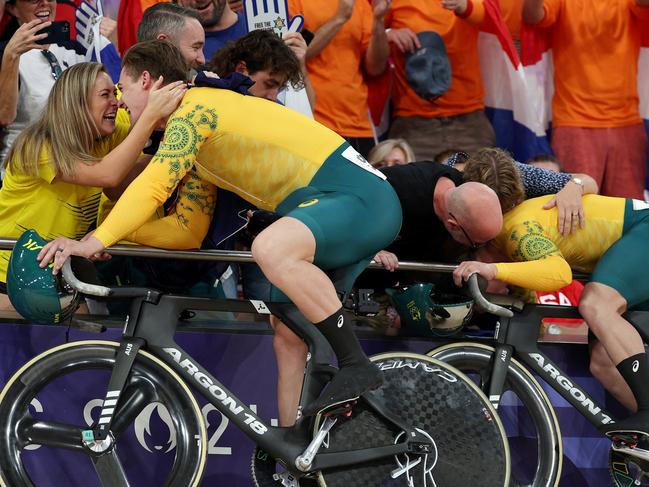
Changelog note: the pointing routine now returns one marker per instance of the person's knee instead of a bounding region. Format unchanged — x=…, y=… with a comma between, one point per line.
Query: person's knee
x=263, y=251
x=598, y=300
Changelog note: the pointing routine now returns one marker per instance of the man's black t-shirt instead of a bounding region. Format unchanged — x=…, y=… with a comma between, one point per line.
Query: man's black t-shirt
x=423, y=236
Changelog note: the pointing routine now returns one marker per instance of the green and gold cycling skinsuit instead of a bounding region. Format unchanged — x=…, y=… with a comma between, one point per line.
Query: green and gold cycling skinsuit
x=272, y=157
x=612, y=245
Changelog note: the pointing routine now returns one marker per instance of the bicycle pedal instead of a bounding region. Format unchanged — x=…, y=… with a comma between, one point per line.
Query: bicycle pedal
x=286, y=479
x=623, y=439
x=344, y=409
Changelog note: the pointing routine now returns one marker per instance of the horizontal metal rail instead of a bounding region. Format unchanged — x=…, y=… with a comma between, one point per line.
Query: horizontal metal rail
x=243, y=256
x=227, y=256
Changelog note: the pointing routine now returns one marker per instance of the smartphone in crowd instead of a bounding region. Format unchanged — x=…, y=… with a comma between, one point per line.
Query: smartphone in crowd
x=57, y=32
x=308, y=36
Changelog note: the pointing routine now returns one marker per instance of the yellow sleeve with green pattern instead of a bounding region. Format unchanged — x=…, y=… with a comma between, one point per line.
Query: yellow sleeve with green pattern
x=539, y=264
x=183, y=228
x=187, y=130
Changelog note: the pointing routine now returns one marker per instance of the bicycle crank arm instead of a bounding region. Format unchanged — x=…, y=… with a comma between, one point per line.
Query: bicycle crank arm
x=633, y=452
x=304, y=461
x=352, y=457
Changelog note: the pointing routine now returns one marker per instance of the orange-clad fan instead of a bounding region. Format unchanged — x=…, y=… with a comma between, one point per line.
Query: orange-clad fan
x=349, y=42
x=595, y=114
x=456, y=118
x=512, y=12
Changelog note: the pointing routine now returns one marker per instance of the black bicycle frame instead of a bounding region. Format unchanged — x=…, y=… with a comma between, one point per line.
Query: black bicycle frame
x=517, y=336
x=152, y=324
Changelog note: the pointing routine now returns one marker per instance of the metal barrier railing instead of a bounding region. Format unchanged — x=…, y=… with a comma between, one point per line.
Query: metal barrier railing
x=243, y=256
x=227, y=256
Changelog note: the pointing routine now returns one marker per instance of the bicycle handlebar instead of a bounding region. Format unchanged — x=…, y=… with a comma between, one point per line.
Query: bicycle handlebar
x=481, y=301
x=103, y=291
x=82, y=287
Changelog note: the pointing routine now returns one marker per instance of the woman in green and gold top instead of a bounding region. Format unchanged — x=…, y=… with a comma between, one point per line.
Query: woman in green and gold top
x=58, y=166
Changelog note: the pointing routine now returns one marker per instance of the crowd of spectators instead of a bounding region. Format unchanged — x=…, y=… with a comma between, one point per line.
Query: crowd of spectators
x=425, y=52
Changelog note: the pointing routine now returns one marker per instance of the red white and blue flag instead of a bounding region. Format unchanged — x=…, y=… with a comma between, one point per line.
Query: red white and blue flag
x=515, y=94
x=518, y=89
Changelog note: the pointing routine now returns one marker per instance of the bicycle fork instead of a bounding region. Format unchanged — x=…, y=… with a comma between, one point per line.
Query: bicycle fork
x=98, y=439
x=500, y=366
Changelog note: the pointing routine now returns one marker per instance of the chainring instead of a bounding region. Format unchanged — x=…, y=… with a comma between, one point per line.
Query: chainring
x=627, y=471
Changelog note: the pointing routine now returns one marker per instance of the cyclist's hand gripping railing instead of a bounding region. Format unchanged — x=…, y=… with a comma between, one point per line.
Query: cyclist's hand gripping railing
x=481, y=301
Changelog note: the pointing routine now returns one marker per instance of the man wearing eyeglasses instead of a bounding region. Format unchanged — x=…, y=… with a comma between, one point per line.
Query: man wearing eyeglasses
x=442, y=215
x=28, y=69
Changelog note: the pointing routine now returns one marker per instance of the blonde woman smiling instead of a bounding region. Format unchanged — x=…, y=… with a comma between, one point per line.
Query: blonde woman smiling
x=58, y=166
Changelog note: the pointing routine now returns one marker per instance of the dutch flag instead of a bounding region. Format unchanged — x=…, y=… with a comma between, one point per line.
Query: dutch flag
x=518, y=89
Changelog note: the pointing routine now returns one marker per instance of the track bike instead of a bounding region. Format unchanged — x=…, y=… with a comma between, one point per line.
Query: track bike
x=507, y=364
x=428, y=425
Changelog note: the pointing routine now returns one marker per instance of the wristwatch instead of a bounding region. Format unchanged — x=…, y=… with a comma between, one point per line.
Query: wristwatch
x=578, y=182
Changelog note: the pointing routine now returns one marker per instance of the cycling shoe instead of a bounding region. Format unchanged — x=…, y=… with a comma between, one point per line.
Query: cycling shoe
x=347, y=385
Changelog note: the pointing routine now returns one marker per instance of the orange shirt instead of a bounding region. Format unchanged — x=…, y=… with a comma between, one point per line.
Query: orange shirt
x=336, y=73
x=512, y=12
x=595, y=45
x=461, y=40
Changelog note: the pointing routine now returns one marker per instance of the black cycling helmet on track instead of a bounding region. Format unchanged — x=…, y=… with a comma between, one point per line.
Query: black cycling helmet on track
x=36, y=293
x=429, y=314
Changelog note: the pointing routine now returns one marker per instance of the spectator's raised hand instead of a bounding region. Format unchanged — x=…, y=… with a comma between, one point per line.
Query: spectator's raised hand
x=25, y=37
x=108, y=28
x=297, y=44
x=345, y=9
x=405, y=40
x=163, y=100
x=458, y=6
x=380, y=8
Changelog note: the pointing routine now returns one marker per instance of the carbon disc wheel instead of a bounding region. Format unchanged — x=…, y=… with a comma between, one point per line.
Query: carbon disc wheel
x=538, y=459
x=441, y=403
x=42, y=419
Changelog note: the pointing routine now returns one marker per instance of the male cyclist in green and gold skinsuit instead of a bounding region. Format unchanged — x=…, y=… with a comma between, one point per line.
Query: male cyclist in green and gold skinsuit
x=277, y=160
x=613, y=246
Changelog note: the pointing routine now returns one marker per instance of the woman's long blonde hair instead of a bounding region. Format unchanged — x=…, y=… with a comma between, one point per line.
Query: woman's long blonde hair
x=66, y=127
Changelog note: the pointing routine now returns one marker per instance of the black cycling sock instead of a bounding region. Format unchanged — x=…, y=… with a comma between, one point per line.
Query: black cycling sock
x=635, y=372
x=338, y=330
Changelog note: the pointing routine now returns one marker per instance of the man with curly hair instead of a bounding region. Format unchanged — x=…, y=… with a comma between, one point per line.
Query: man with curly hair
x=270, y=61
